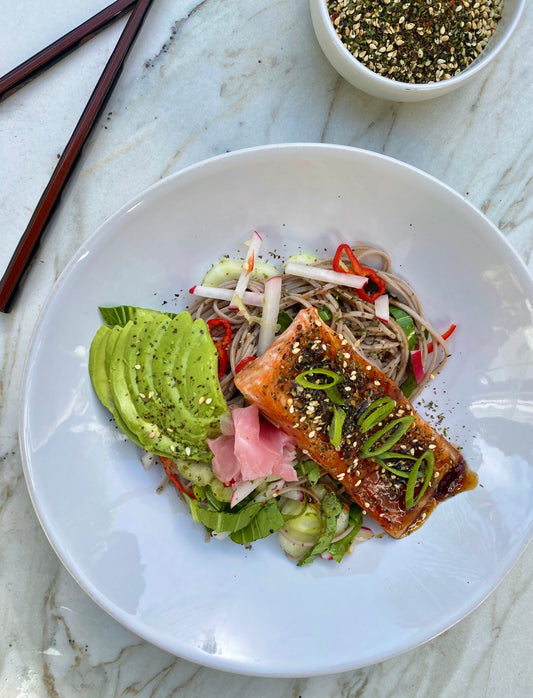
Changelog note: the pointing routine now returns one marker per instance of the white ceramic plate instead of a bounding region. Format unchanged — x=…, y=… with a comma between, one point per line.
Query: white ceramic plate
x=139, y=555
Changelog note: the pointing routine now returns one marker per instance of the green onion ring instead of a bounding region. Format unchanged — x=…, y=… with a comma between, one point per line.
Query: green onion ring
x=397, y=427
x=301, y=378
x=375, y=413
x=429, y=458
x=335, y=426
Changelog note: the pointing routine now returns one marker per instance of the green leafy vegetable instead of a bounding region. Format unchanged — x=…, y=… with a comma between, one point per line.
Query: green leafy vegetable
x=407, y=324
x=121, y=314
x=339, y=549
x=409, y=384
x=284, y=320
x=330, y=510
x=267, y=521
x=310, y=469
x=325, y=313
x=222, y=520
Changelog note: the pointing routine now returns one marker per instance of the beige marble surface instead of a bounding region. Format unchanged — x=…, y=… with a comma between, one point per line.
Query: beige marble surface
x=205, y=78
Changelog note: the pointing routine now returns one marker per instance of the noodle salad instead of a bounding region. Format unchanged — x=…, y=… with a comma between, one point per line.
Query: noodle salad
x=170, y=382
x=384, y=321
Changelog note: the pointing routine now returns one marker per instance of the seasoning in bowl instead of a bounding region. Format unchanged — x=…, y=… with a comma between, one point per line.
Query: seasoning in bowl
x=415, y=41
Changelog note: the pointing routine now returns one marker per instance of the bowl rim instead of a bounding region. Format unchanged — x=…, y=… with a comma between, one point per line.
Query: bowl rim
x=397, y=85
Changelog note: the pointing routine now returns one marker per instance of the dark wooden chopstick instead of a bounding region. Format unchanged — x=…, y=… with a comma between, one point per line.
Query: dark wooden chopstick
x=27, y=244
x=26, y=71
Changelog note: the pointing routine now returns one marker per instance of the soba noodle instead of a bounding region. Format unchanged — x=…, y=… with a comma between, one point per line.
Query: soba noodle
x=383, y=344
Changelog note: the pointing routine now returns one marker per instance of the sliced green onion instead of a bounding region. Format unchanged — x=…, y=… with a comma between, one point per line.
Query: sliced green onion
x=394, y=471
x=396, y=429
x=375, y=413
x=301, y=378
x=334, y=395
x=335, y=426
x=429, y=458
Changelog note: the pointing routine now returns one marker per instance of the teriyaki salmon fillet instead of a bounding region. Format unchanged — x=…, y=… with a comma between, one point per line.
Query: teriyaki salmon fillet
x=363, y=431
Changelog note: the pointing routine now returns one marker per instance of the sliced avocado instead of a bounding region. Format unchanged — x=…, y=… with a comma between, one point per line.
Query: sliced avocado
x=99, y=361
x=97, y=370
x=122, y=378
x=158, y=377
x=183, y=381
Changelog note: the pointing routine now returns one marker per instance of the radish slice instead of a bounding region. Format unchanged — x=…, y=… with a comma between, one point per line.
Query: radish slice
x=418, y=367
x=272, y=490
x=247, y=267
x=327, y=275
x=382, y=307
x=226, y=294
x=269, y=322
x=243, y=490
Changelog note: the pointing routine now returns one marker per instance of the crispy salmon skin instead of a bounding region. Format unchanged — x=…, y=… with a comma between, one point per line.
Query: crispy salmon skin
x=379, y=438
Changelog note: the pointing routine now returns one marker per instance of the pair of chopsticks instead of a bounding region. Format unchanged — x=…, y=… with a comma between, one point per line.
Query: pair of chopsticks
x=27, y=245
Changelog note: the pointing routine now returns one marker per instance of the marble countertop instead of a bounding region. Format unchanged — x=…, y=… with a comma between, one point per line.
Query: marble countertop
x=206, y=77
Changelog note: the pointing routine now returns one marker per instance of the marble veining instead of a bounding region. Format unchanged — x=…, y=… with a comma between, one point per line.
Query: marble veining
x=205, y=78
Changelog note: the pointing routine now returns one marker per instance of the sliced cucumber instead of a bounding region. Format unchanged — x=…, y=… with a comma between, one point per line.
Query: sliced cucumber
x=230, y=270
x=303, y=258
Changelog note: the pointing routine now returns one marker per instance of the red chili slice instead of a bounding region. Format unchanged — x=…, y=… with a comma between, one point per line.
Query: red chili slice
x=243, y=363
x=358, y=270
x=444, y=335
x=167, y=465
x=220, y=322
x=221, y=344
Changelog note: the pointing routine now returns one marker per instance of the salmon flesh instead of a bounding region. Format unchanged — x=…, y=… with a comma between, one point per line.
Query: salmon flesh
x=375, y=478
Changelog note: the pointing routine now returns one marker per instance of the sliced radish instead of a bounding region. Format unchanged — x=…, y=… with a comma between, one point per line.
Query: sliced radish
x=247, y=267
x=269, y=322
x=327, y=275
x=243, y=490
x=226, y=294
x=382, y=307
x=418, y=366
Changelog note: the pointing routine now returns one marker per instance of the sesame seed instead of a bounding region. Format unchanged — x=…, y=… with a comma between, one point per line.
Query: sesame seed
x=188, y=450
x=209, y=401
x=357, y=483
x=201, y=400
x=311, y=434
x=137, y=367
x=142, y=395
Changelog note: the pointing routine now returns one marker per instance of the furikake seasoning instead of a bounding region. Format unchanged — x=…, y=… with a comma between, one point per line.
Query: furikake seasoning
x=415, y=41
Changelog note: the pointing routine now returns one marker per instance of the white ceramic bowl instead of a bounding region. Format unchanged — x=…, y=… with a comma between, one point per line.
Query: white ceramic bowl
x=365, y=79
x=139, y=554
